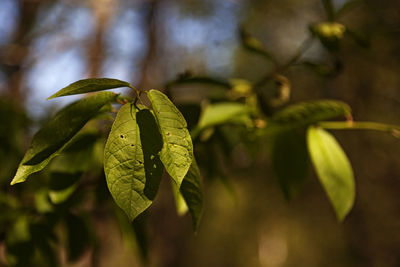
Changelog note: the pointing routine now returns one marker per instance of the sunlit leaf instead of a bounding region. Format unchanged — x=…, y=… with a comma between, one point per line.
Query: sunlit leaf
x=90, y=85
x=329, y=33
x=42, y=202
x=181, y=207
x=131, y=164
x=54, y=135
x=290, y=162
x=177, y=150
x=222, y=113
x=333, y=169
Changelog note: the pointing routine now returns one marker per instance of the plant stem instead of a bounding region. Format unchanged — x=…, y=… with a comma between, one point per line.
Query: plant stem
x=305, y=45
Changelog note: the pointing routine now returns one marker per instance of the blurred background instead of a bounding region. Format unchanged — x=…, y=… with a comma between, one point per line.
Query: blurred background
x=47, y=44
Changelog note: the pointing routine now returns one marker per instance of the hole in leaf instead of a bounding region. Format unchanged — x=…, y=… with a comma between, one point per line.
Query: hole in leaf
x=121, y=136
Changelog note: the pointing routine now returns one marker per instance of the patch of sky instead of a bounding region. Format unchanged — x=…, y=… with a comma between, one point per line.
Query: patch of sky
x=125, y=43
x=214, y=33
x=339, y=3
x=56, y=57
x=49, y=75
x=8, y=18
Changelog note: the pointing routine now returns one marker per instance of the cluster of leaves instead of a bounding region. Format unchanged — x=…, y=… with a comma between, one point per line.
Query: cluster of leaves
x=141, y=143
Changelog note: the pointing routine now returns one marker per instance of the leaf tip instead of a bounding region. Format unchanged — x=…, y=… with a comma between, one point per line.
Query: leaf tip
x=15, y=181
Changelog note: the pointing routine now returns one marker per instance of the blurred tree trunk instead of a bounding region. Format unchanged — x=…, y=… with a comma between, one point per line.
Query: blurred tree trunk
x=103, y=11
x=145, y=81
x=16, y=52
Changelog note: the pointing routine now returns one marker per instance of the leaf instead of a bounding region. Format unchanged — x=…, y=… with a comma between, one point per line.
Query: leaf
x=90, y=85
x=303, y=114
x=78, y=236
x=192, y=192
x=20, y=247
x=62, y=186
x=290, y=162
x=329, y=33
x=333, y=169
x=131, y=163
x=177, y=150
x=78, y=156
x=222, y=113
x=254, y=45
x=54, y=135
x=181, y=207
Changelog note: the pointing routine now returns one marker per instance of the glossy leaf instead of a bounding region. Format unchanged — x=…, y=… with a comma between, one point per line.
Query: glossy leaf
x=90, y=85
x=177, y=150
x=290, y=162
x=192, y=192
x=54, y=135
x=333, y=169
x=131, y=164
x=302, y=114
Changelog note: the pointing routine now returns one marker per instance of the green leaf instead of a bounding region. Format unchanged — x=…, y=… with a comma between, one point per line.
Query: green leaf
x=181, y=207
x=177, y=150
x=306, y=113
x=329, y=33
x=192, y=192
x=54, y=135
x=333, y=169
x=78, y=236
x=90, y=85
x=78, y=156
x=254, y=45
x=290, y=162
x=62, y=186
x=222, y=113
x=131, y=163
